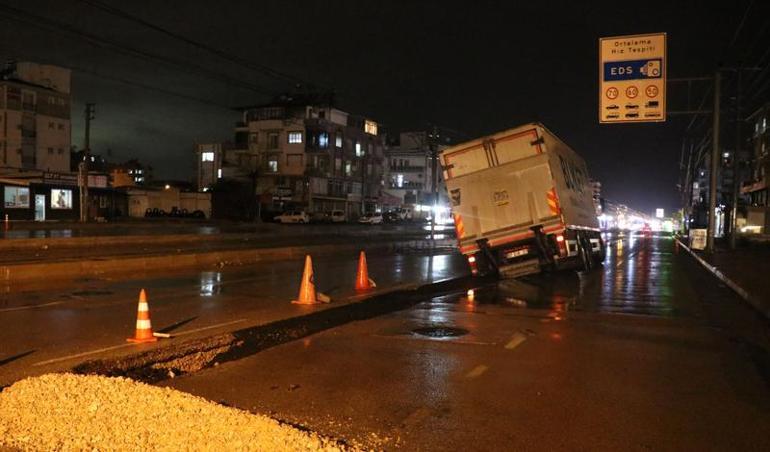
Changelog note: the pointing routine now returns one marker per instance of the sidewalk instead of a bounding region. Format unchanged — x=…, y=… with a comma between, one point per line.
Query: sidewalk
x=748, y=266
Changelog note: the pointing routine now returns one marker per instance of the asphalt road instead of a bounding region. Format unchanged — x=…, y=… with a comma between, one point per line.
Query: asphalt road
x=59, y=323
x=647, y=353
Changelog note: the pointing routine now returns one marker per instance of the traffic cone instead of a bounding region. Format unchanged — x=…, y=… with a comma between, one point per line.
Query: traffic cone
x=307, y=292
x=363, y=282
x=143, y=325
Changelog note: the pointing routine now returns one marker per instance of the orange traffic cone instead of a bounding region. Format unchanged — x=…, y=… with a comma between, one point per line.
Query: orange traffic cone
x=143, y=325
x=307, y=292
x=363, y=282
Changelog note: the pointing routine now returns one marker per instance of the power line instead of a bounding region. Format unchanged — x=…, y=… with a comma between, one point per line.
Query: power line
x=60, y=27
x=218, y=52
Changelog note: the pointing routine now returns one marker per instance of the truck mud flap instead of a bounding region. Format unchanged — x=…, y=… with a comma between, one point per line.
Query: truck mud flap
x=522, y=268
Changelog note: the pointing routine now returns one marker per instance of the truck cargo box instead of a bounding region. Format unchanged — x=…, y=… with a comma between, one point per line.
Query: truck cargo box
x=515, y=185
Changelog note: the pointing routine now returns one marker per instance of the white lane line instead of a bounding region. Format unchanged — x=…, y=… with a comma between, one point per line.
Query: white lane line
x=515, y=341
x=208, y=327
x=477, y=371
x=24, y=308
x=80, y=355
x=116, y=347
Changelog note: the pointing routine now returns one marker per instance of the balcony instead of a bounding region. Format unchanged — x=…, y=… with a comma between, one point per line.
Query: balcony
x=406, y=169
x=407, y=186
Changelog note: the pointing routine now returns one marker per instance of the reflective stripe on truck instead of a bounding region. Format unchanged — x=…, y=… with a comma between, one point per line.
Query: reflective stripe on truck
x=472, y=248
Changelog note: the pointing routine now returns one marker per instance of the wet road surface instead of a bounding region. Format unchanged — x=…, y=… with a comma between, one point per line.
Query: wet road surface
x=647, y=353
x=78, y=320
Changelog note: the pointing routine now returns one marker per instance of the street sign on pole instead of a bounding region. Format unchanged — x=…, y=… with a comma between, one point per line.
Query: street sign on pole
x=632, y=78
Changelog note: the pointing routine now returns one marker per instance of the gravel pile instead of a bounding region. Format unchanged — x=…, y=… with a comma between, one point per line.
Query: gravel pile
x=88, y=412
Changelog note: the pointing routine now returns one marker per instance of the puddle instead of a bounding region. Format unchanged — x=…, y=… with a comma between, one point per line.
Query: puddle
x=440, y=332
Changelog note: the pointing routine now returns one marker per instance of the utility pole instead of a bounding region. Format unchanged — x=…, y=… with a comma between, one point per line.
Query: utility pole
x=83, y=166
x=714, y=164
x=736, y=162
x=433, y=145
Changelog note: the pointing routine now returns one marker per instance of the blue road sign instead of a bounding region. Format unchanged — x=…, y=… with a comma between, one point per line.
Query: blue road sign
x=633, y=70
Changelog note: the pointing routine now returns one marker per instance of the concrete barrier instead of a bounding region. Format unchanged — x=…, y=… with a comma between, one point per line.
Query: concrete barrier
x=150, y=264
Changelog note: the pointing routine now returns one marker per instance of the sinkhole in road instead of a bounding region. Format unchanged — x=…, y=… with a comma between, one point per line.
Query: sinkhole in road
x=439, y=332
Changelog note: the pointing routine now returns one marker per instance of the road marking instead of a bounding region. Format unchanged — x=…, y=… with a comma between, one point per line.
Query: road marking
x=515, y=341
x=116, y=347
x=23, y=308
x=208, y=327
x=477, y=371
x=80, y=355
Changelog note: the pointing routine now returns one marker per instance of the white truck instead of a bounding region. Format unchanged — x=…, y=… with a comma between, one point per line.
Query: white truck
x=522, y=203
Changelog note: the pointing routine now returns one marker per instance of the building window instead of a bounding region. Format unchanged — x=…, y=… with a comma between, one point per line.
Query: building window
x=272, y=165
x=207, y=156
x=61, y=199
x=61, y=126
x=295, y=137
x=370, y=127
x=337, y=164
x=359, y=151
x=338, y=140
x=60, y=151
x=219, y=173
x=51, y=125
x=348, y=169
x=272, y=141
x=16, y=197
x=28, y=101
x=323, y=140
x=50, y=151
x=399, y=180
x=253, y=137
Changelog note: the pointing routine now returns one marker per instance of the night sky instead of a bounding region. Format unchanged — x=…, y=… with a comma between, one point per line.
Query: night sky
x=476, y=67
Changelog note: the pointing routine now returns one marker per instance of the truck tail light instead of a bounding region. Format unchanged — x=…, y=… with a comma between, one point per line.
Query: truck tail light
x=472, y=264
x=561, y=243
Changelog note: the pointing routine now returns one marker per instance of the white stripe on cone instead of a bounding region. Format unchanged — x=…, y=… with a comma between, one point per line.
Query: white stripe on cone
x=143, y=324
x=143, y=307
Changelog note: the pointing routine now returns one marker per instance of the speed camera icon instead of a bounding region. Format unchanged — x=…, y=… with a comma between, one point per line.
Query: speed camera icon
x=651, y=69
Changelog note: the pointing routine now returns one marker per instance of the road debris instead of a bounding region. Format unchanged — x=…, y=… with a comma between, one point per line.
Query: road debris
x=89, y=412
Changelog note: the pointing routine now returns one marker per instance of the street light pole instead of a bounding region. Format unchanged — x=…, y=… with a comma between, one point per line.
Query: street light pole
x=83, y=165
x=714, y=164
x=736, y=156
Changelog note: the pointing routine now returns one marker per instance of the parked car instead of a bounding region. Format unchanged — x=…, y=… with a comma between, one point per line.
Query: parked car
x=338, y=216
x=293, y=216
x=371, y=218
x=404, y=213
x=391, y=217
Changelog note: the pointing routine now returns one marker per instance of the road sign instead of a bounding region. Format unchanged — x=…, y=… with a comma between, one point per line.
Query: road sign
x=632, y=78
x=698, y=239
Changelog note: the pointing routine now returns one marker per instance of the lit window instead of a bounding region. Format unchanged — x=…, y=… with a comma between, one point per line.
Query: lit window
x=359, y=152
x=348, y=169
x=338, y=140
x=272, y=165
x=138, y=171
x=207, y=157
x=370, y=127
x=295, y=137
x=16, y=197
x=219, y=173
x=400, y=180
x=61, y=199
x=323, y=140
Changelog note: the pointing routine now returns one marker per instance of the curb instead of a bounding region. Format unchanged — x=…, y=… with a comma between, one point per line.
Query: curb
x=743, y=293
x=186, y=357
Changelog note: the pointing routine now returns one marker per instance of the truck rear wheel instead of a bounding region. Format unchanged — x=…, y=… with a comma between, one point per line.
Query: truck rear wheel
x=586, y=256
